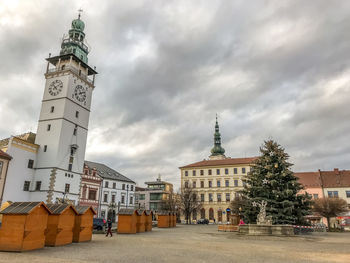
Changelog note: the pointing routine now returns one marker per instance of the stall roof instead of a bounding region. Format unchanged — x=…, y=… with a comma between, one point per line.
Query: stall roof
x=23, y=208
x=58, y=209
x=82, y=209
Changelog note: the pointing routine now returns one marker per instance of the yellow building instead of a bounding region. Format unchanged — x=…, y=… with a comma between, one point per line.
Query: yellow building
x=216, y=180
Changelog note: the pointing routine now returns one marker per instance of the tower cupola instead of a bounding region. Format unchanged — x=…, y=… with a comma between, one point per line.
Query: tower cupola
x=75, y=42
x=217, y=152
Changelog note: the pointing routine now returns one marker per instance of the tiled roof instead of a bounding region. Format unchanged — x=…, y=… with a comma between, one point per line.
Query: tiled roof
x=106, y=172
x=227, y=161
x=22, y=208
x=309, y=179
x=82, y=209
x=4, y=155
x=126, y=211
x=58, y=209
x=335, y=178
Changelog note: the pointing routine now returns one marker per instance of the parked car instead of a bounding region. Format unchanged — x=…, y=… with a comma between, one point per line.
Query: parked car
x=203, y=221
x=99, y=223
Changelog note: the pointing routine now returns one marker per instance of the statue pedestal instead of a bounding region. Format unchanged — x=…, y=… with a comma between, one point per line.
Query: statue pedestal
x=266, y=230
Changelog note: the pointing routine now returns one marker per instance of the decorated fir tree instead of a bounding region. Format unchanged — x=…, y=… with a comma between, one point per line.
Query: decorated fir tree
x=271, y=179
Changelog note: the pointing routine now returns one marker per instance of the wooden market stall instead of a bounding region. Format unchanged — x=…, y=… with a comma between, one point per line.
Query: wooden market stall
x=148, y=220
x=3, y=206
x=83, y=224
x=163, y=219
x=23, y=226
x=60, y=225
x=140, y=221
x=127, y=219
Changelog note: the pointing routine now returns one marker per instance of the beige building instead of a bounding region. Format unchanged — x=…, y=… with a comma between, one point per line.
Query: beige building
x=152, y=197
x=217, y=181
x=4, y=163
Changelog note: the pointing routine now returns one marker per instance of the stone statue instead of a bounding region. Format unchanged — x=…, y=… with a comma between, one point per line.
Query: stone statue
x=262, y=219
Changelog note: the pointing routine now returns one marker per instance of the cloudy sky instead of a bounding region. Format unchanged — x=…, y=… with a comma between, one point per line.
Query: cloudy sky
x=270, y=69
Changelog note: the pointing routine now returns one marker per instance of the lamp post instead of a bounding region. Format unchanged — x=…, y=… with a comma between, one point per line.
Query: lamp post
x=127, y=190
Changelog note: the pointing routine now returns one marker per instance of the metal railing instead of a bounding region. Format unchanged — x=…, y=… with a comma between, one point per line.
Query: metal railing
x=66, y=68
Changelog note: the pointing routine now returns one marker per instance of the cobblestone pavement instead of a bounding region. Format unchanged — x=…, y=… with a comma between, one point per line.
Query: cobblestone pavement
x=196, y=243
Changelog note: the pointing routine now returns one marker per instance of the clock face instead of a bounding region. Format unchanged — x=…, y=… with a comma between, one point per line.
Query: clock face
x=80, y=93
x=55, y=87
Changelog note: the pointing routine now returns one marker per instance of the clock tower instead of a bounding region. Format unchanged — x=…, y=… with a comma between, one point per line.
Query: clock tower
x=64, y=118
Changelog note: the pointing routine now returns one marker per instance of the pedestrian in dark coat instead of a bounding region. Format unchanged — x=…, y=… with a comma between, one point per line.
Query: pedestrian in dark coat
x=109, y=227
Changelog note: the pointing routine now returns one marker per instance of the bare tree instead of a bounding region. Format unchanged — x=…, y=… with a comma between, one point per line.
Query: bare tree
x=170, y=203
x=188, y=202
x=330, y=207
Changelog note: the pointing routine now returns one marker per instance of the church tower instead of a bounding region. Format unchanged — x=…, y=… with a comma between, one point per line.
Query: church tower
x=217, y=152
x=64, y=118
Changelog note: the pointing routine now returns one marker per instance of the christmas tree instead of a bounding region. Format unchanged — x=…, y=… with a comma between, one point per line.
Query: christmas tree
x=271, y=179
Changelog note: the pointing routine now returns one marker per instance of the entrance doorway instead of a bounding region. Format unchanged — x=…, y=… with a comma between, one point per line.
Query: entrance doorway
x=220, y=216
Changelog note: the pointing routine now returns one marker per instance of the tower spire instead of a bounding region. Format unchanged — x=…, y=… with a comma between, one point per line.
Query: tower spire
x=217, y=152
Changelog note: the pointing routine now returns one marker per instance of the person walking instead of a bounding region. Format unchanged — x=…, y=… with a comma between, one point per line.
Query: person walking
x=109, y=227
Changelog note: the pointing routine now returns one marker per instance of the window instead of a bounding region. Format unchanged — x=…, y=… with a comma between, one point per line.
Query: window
x=52, y=109
x=26, y=185
x=45, y=148
x=30, y=164
x=106, y=184
x=77, y=114
x=113, y=198
x=186, y=173
x=75, y=130
x=217, y=171
x=194, y=172
x=142, y=197
x=38, y=186
x=63, y=66
x=333, y=194
x=123, y=186
x=70, y=165
x=315, y=196
x=235, y=182
x=226, y=171
x=218, y=183
x=194, y=184
x=186, y=184
x=202, y=184
x=123, y=199
x=156, y=196
x=210, y=197
x=227, y=197
x=235, y=170
x=227, y=183
x=49, y=127
x=105, y=198
x=202, y=197
x=131, y=200
x=92, y=194
x=243, y=170
x=209, y=172
x=131, y=188
x=210, y=183
x=202, y=172
x=218, y=196
x=347, y=194
x=66, y=188
x=114, y=185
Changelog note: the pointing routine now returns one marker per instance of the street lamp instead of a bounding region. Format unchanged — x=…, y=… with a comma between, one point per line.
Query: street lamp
x=127, y=190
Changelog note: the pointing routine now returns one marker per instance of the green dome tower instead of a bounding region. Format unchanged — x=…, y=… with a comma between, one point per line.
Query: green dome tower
x=74, y=43
x=217, y=152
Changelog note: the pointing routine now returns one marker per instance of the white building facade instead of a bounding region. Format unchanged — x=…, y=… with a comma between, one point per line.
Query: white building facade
x=117, y=191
